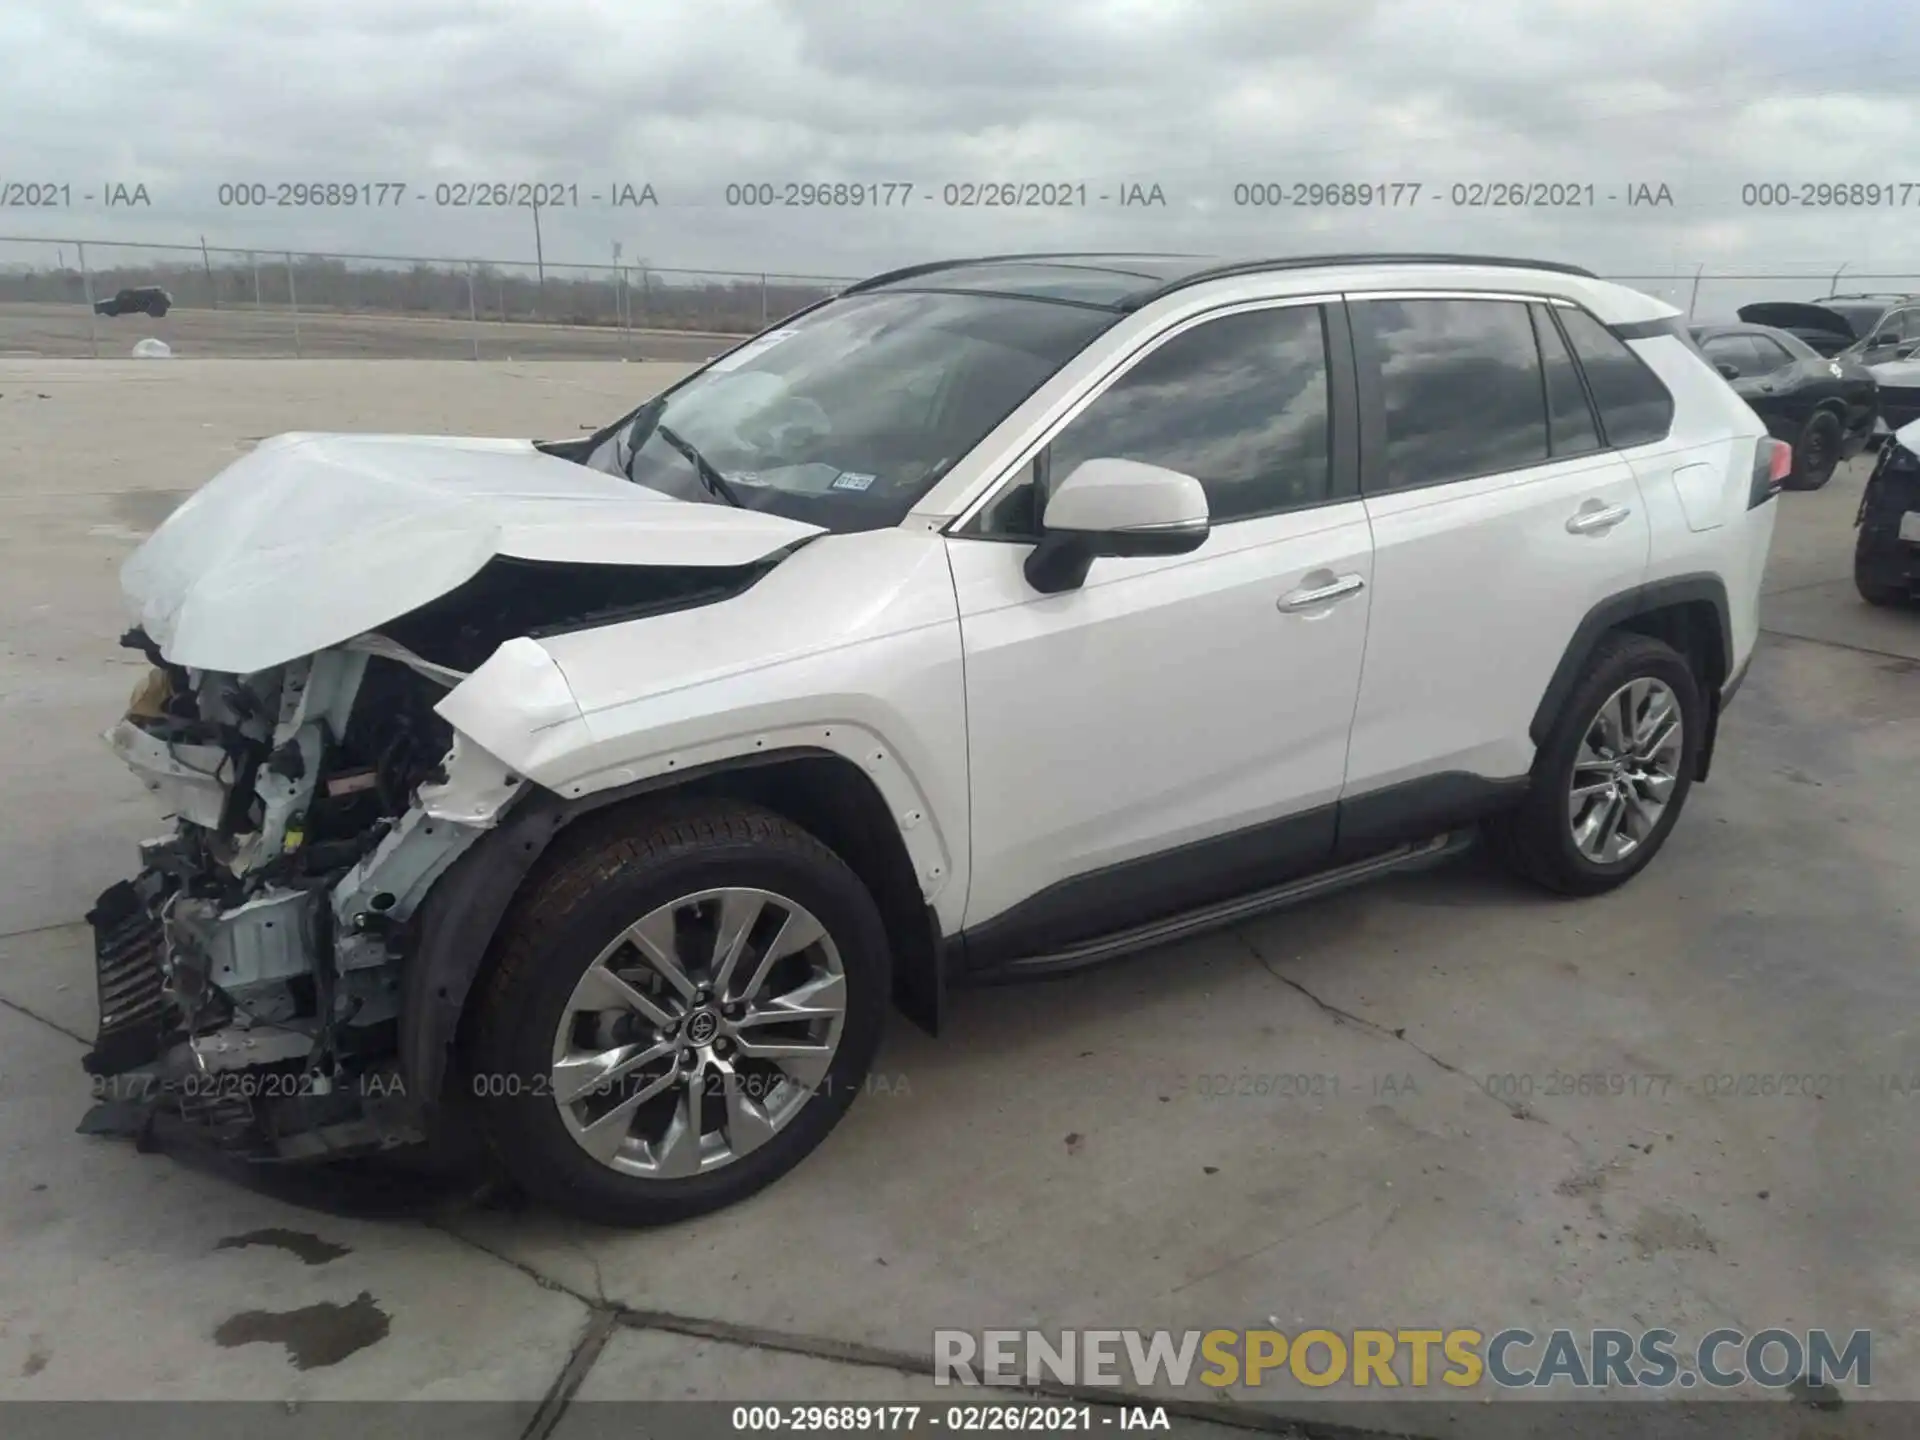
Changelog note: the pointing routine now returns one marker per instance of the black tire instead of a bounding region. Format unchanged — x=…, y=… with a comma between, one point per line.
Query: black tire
x=1816, y=454
x=1535, y=840
x=617, y=869
x=1874, y=590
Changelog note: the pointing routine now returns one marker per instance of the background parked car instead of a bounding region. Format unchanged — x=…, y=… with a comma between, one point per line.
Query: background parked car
x=135, y=300
x=1886, y=547
x=1824, y=407
x=1877, y=327
x=1899, y=382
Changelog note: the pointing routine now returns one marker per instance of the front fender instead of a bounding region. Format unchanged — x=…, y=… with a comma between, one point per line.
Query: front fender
x=850, y=647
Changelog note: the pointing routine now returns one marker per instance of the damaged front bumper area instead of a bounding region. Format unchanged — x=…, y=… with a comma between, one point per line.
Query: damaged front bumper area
x=250, y=974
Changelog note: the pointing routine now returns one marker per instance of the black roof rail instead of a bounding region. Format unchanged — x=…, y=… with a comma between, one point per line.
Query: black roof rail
x=932, y=267
x=1311, y=262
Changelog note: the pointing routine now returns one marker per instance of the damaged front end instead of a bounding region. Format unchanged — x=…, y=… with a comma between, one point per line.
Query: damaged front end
x=249, y=975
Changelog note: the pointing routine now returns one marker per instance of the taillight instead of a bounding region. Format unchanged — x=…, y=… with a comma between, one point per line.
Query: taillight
x=1772, y=463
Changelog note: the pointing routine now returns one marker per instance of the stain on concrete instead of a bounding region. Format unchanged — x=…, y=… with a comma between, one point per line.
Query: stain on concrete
x=1396, y=1124
x=315, y=1335
x=37, y=1357
x=1818, y=1394
x=310, y=1248
x=1585, y=1183
x=145, y=509
x=1660, y=1228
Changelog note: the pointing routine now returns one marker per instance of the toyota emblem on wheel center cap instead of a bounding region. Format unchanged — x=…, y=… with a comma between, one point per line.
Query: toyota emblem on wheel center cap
x=702, y=1027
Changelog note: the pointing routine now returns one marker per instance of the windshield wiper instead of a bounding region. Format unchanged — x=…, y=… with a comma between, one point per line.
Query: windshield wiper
x=703, y=467
x=639, y=427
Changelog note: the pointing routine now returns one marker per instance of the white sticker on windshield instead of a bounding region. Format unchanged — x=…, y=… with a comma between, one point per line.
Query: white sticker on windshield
x=752, y=350
x=852, y=480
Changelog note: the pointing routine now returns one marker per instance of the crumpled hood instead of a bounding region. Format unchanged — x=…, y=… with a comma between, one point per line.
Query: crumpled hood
x=312, y=539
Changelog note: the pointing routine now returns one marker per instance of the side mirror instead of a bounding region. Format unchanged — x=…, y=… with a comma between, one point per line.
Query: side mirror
x=1732, y=372
x=1118, y=508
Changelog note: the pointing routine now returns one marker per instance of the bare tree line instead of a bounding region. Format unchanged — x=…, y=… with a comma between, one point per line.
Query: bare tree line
x=637, y=297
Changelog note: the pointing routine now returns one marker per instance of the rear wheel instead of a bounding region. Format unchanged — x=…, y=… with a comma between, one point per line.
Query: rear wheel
x=681, y=1011
x=1816, y=453
x=1609, y=782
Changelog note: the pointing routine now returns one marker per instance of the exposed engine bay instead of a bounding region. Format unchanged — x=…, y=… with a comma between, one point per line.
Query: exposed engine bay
x=250, y=975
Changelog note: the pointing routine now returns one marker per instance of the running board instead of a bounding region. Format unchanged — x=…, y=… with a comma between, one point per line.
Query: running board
x=1241, y=907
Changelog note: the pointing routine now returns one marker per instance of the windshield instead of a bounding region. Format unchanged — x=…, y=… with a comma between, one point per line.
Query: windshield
x=1859, y=316
x=846, y=417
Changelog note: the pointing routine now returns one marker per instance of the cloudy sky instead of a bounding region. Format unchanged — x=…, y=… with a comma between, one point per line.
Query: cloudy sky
x=1199, y=98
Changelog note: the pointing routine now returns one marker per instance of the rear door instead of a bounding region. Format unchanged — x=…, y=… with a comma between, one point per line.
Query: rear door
x=1500, y=519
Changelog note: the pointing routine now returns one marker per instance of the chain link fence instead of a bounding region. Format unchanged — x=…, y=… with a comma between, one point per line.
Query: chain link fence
x=58, y=299
x=71, y=298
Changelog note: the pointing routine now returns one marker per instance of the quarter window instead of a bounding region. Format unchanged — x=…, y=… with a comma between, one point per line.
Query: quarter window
x=1635, y=408
x=1462, y=388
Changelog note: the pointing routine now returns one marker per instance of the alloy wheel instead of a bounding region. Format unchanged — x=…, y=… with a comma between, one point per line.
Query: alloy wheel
x=699, y=1033
x=1625, y=771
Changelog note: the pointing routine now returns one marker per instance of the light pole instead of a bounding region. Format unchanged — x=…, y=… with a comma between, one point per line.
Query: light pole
x=539, y=265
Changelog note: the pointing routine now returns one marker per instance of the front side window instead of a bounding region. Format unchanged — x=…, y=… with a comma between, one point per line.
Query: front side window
x=1240, y=403
x=1635, y=408
x=1461, y=386
x=1730, y=350
x=846, y=417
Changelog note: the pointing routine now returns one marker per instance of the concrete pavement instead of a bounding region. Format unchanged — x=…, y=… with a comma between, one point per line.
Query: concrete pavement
x=1443, y=1100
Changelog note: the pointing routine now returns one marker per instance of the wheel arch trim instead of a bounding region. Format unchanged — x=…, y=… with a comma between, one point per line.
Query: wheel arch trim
x=455, y=927
x=1616, y=610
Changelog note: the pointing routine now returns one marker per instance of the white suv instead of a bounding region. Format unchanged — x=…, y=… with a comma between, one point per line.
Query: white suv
x=992, y=617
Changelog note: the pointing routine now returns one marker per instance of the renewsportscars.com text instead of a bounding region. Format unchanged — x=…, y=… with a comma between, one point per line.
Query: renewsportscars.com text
x=1512, y=1358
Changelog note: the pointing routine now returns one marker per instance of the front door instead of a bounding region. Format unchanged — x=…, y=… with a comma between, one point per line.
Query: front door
x=1174, y=731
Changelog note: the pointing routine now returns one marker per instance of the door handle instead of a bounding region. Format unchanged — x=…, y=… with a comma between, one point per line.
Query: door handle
x=1593, y=518
x=1315, y=596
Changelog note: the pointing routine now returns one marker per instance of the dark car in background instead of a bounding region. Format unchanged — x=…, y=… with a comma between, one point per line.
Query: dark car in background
x=1886, y=547
x=135, y=300
x=1876, y=327
x=1899, y=382
x=1823, y=406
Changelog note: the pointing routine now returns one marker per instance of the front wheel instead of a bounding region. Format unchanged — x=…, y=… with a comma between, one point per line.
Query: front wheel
x=1867, y=578
x=1609, y=782
x=682, y=1007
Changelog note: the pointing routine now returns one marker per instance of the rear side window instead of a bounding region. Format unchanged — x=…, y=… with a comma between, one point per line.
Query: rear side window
x=1461, y=388
x=1570, y=425
x=1635, y=408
